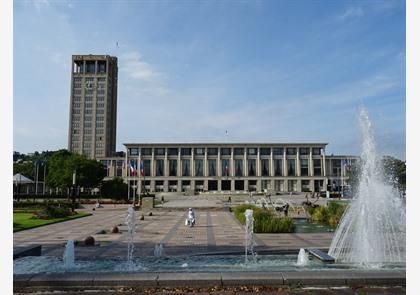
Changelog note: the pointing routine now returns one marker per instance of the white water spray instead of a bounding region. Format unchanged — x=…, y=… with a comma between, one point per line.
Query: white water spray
x=249, y=235
x=158, y=251
x=303, y=258
x=372, y=229
x=68, y=255
x=130, y=220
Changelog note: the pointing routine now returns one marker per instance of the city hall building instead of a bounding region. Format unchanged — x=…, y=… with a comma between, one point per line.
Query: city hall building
x=230, y=167
x=181, y=167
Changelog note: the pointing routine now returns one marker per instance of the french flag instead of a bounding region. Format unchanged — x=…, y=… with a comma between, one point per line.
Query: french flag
x=141, y=169
x=133, y=170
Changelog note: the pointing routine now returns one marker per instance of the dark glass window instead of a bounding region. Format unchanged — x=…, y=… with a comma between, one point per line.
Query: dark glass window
x=212, y=151
x=172, y=152
x=238, y=168
x=159, y=151
x=265, y=151
x=316, y=151
x=199, y=151
x=225, y=151
x=159, y=167
x=134, y=151
x=278, y=167
x=146, y=167
x=185, y=167
x=265, y=168
x=304, y=169
x=173, y=167
x=304, y=151
x=291, y=167
x=317, y=167
x=252, y=151
x=251, y=167
x=278, y=151
x=291, y=151
x=238, y=151
x=212, y=167
x=198, y=165
x=90, y=67
x=146, y=151
x=101, y=67
x=225, y=168
x=186, y=151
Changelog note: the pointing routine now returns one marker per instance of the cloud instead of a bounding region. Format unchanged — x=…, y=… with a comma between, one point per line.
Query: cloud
x=350, y=13
x=137, y=68
x=38, y=4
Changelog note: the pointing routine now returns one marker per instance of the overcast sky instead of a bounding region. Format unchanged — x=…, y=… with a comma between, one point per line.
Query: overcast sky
x=266, y=71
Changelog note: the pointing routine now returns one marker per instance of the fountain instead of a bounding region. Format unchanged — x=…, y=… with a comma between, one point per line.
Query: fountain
x=372, y=229
x=158, y=250
x=130, y=220
x=303, y=258
x=68, y=255
x=249, y=235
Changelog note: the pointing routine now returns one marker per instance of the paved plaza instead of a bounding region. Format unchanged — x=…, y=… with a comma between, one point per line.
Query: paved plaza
x=216, y=230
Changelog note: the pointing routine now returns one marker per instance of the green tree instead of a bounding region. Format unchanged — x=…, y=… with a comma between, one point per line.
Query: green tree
x=395, y=171
x=114, y=189
x=62, y=164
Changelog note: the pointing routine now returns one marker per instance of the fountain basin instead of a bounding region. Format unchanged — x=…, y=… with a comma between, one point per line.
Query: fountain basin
x=199, y=263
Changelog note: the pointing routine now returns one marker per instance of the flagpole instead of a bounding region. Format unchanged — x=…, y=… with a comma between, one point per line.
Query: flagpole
x=36, y=180
x=45, y=168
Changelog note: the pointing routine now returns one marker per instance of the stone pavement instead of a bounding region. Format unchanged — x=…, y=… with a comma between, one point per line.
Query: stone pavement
x=216, y=230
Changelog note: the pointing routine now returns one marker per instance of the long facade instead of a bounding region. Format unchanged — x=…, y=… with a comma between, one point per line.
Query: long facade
x=93, y=105
x=234, y=167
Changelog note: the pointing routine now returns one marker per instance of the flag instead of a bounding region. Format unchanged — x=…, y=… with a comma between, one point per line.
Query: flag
x=133, y=168
x=141, y=168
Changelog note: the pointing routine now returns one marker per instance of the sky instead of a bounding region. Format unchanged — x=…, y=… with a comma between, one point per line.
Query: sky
x=265, y=71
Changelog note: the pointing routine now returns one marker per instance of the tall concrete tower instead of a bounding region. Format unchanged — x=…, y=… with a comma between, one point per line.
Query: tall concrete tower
x=93, y=105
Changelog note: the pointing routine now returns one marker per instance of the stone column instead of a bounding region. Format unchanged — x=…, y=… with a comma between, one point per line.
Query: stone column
x=152, y=165
x=284, y=163
x=205, y=166
x=324, y=172
x=310, y=164
x=245, y=163
x=297, y=162
x=271, y=163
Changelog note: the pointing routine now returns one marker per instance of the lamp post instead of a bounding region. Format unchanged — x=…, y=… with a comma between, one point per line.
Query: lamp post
x=72, y=191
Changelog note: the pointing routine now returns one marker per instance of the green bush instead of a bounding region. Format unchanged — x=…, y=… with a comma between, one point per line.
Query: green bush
x=264, y=220
x=50, y=212
x=329, y=214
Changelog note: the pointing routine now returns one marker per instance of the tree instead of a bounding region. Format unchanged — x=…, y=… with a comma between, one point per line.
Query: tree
x=114, y=189
x=62, y=165
x=393, y=168
x=395, y=171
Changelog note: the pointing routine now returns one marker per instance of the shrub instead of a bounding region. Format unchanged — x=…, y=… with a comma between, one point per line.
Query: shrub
x=329, y=214
x=264, y=220
x=50, y=212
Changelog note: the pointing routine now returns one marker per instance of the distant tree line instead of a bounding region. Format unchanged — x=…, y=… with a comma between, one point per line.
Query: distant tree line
x=394, y=171
x=60, y=166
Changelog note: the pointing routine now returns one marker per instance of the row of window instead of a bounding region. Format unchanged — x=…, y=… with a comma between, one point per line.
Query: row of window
x=238, y=168
x=89, y=67
x=223, y=151
x=88, y=111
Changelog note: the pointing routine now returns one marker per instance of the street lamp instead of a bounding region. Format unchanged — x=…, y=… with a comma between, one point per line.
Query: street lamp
x=73, y=193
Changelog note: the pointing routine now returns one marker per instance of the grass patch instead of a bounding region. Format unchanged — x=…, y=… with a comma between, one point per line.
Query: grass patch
x=27, y=220
x=329, y=214
x=265, y=220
